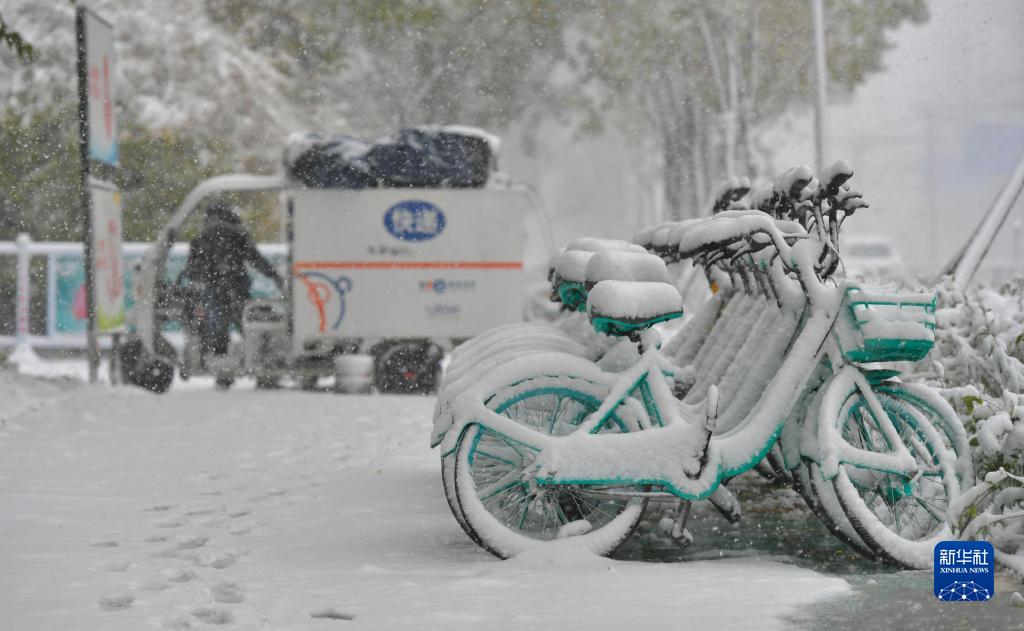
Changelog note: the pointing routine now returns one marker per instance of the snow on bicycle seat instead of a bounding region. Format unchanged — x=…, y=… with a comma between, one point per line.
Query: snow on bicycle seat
x=571, y=265
x=619, y=307
x=612, y=265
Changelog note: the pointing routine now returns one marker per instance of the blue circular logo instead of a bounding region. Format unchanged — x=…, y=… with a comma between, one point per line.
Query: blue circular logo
x=414, y=220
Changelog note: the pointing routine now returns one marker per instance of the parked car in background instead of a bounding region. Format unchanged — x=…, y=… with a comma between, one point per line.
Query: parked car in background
x=874, y=258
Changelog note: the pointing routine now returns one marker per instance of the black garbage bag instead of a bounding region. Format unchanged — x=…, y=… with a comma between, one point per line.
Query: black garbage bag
x=336, y=162
x=427, y=157
x=416, y=157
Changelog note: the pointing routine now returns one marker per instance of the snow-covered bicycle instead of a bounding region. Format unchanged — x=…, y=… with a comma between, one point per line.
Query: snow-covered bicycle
x=542, y=440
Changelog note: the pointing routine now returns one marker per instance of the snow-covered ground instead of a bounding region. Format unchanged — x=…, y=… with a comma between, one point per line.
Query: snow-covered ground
x=289, y=510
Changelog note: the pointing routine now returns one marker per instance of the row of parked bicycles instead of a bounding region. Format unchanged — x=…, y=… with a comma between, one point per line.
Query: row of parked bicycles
x=563, y=433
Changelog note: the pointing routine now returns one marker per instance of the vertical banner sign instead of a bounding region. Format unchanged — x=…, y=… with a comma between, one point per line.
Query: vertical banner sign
x=97, y=139
x=99, y=53
x=108, y=268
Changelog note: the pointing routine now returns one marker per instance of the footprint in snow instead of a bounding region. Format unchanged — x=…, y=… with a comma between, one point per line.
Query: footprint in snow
x=243, y=528
x=156, y=538
x=331, y=614
x=227, y=592
x=177, y=623
x=104, y=544
x=219, y=560
x=198, y=512
x=165, y=552
x=172, y=522
x=159, y=508
x=240, y=513
x=118, y=565
x=186, y=542
x=114, y=602
x=211, y=615
x=179, y=575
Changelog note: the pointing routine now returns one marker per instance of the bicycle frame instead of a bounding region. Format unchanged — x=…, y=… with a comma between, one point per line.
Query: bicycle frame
x=679, y=452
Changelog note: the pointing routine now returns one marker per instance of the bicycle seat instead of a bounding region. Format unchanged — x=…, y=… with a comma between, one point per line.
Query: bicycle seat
x=619, y=307
x=631, y=266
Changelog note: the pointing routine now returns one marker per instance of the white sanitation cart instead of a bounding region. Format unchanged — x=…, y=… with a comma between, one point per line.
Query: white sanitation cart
x=382, y=282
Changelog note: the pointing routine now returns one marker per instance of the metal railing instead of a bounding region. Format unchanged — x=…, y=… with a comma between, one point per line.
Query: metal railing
x=23, y=249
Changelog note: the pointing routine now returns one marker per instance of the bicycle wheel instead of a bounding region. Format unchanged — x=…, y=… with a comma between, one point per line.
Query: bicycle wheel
x=941, y=416
x=900, y=517
x=821, y=498
x=495, y=501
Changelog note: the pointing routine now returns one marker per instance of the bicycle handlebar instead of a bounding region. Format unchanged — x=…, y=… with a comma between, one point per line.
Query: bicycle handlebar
x=797, y=207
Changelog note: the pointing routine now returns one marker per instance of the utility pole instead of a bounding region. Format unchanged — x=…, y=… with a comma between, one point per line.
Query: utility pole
x=820, y=122
x=85, y=195
x=930, y=198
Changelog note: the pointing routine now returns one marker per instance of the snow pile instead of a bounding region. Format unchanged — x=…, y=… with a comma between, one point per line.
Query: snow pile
x=979, y=347
x=21, y=395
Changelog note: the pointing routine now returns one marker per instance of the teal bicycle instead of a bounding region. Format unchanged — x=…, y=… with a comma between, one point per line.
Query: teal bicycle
x=544, y=442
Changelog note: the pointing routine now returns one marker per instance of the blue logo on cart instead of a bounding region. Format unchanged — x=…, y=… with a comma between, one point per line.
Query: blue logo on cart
x=964, y=571
x=414, y=220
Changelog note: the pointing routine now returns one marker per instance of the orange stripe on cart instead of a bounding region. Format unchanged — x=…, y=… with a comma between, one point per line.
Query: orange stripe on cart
x=308, y=265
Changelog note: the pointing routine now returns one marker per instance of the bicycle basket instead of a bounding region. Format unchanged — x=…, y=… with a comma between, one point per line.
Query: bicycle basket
x=882, y=327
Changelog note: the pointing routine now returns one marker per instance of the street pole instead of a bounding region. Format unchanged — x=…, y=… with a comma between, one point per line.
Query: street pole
x=930, y=198
x=22, y=305
x=820, y=122
x=92, y=347
x=1018, y=227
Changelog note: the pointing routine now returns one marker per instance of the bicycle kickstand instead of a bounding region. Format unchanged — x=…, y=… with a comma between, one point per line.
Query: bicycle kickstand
x=675, y=527
x=710, y=423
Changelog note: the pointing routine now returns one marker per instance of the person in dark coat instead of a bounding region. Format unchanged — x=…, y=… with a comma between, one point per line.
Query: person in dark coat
x=217, y=264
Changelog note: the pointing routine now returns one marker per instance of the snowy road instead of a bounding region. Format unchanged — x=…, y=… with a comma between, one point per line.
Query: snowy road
x=287, y=510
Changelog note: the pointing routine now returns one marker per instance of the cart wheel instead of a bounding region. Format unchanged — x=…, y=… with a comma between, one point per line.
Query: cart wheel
x=152, y=373
x=156, y=375
x=502, y=511
x=223, y=383
x=901, y=517
x=266, y=383
x=408, y=368
x=309, y=383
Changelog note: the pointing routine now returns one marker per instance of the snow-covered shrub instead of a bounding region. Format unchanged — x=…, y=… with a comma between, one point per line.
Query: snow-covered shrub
x=977, y=365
